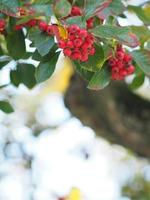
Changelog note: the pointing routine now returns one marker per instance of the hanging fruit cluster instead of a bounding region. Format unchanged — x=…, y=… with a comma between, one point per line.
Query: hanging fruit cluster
x=121, y=64
x=89, y=34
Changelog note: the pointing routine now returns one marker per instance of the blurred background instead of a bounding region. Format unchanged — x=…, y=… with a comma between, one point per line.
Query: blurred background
x=48, y=154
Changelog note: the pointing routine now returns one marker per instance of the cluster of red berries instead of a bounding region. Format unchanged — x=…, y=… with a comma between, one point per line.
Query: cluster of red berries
x=2, y=25
x=79, y=44
x=120, y=64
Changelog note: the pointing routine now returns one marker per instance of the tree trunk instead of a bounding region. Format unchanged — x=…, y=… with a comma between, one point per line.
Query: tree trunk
x=114, y=113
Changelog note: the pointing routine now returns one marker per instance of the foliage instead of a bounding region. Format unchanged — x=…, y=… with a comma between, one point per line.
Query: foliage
x=34, y=20
x=137, y=189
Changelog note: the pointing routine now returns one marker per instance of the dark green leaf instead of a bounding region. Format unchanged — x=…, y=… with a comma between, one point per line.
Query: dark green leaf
x=3, y=63
x=6, y=107
x=100, y=79
x=46, y=69
x=16, y=44
x=122, y=34
x=24, y=73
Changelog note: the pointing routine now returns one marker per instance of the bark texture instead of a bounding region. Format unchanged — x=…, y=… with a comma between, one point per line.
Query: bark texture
x=114, y=113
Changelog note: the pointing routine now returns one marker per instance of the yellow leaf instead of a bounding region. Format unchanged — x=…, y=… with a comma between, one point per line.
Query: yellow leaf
x=63, y=32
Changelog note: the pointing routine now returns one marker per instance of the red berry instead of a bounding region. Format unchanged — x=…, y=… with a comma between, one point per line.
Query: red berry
x=123, y=72
x=67, y=52
x=74, y=28
x=49, y=29
x=42, y=25
x=78, y=42
x=76, y=55
x=84, y=58
x=70, y=44
x=75, y=11
x=130, y=69
x=83, y=33
x=2, y=23
x=120, y=55
x=31, y=23
x=72, y=36
x=92, y=51
x=90, y=23
x=19, y=27
x=127, y=58
x=62, y=44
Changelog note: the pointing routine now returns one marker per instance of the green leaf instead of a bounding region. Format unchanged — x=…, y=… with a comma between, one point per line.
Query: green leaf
x=114, y=8
x=43, y=9
x=100, y=79
x=142, y=13
x=82, y=71
x=62, y=8
x=137, y=82
x=9, y=7
x=6, y=107
x=142, y=58
x=91, y=6
x=46, y=69
x=94, y=62
x=77, y=20
x=24, y=73
x=142, y=32
x=41, y=41
x=122, y=34
x=3, y=64
x=16, y=44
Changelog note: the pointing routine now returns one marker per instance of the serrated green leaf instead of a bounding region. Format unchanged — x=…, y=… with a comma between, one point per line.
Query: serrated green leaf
x=46, y=69
x=142, y=58
x=100, y=79
x=6, y=107
x=24, y=73
x=122, y=34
